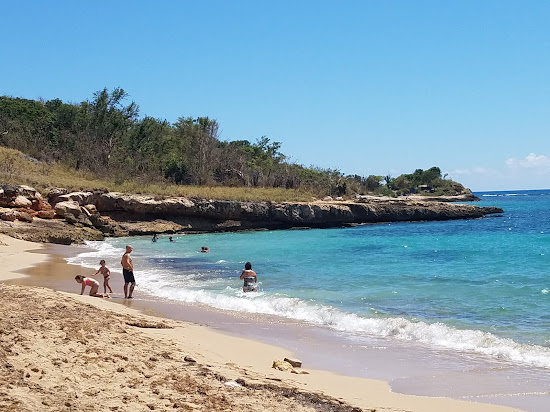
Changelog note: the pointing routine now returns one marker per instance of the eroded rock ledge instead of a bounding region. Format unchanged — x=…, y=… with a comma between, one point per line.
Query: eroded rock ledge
x=93, y=215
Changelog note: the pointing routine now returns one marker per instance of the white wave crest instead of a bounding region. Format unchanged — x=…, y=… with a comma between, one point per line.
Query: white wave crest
x=217, y=293
x=436, y=334
x=101, y=250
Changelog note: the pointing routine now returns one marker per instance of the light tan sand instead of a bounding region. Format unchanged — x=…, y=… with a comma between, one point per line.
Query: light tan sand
x=13, y=258
x=61, y=351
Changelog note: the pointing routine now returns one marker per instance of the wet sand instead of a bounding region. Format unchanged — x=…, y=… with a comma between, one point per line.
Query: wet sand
x=242, y=344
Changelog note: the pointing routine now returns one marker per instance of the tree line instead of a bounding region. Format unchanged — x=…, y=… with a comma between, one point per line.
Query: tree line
x=106, y=136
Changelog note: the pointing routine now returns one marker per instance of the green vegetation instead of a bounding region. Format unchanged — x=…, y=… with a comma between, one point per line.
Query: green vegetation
x=423, y=182
x=17, y=168
x=102, y=143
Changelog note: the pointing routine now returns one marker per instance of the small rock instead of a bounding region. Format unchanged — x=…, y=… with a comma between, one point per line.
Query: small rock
x=294, y=362
x=82, y=219
x=189, y=359
x=55, y=192
x=282, y=365
x=24, y=217
x=69, y=207
x=91, y=209
x=21, y=201
x=71, y=219
x=232, y=384
x=46, y=214
x=9, y=216
x=41, y=204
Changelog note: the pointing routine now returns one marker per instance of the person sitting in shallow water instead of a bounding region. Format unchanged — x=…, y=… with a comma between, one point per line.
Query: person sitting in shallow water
x=250, y=278
x=94, y=284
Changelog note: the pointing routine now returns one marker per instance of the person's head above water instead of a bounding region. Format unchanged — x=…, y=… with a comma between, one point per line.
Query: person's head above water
x=248, y=266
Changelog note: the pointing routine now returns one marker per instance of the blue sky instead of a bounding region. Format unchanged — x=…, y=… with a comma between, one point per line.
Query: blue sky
x=365, y=87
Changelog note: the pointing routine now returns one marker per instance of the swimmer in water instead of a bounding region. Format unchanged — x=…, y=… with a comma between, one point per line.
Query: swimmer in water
x=250, y=278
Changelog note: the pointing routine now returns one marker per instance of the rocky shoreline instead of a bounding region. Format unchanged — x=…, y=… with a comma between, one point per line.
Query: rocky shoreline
x=61, y=217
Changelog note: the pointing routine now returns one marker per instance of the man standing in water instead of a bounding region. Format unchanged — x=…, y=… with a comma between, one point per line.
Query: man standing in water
x=128, y=273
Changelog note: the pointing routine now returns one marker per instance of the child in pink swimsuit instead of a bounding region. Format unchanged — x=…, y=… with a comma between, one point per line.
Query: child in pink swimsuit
x=89, y=282
x=104, y=270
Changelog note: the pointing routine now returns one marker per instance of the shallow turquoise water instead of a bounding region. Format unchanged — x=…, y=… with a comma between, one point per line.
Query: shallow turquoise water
x=478, y=285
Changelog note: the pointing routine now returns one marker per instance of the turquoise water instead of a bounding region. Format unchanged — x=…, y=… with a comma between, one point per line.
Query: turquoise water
x=480, y=286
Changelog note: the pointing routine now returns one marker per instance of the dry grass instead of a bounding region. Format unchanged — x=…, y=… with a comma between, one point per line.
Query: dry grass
x=16, y=168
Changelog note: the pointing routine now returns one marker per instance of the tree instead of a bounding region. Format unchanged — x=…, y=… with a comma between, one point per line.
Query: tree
x=149, y=145
x=264, y=159
x=105, y=135
x=233, y=156
x=373, y=182
x=28, y=125
x=431, y=175
x=104, y=123
x=198, y=142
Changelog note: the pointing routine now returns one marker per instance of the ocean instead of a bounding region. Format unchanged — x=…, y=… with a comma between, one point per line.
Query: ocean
x=477, y=286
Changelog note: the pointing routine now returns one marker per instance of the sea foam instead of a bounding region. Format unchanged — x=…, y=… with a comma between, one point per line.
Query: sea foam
x=203, y=281
x=435, y=335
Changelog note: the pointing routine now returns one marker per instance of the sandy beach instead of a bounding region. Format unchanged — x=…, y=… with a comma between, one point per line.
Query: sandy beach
x=63, y=351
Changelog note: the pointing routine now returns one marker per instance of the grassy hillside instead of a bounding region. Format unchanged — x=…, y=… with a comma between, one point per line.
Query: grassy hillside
x=105, y=138
x=18, y=168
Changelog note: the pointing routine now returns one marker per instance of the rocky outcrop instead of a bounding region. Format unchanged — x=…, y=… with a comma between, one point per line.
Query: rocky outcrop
x=18, y=196
x=98, y=214
x=201, y=214
x=27, y=215
x=49, y=231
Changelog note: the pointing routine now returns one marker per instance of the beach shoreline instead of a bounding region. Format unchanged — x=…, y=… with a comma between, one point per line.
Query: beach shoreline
x=213, y=345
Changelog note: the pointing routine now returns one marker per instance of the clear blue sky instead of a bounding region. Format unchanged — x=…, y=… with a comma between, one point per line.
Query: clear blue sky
x=366, y=87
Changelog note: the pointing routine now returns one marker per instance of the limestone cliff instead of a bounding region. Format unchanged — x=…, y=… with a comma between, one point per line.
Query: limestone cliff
x=92, y=215
x=209, y=215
